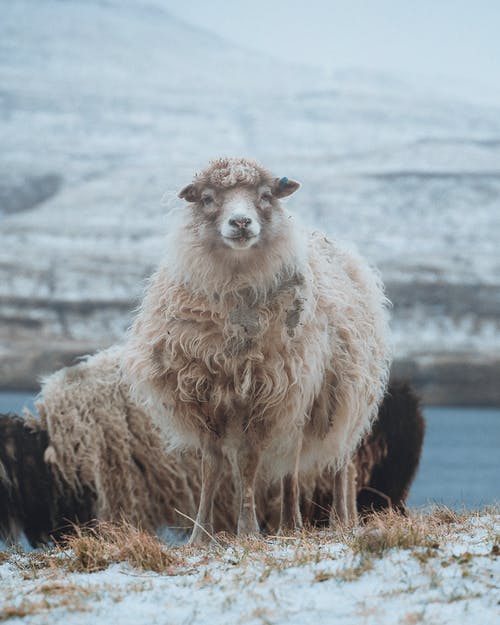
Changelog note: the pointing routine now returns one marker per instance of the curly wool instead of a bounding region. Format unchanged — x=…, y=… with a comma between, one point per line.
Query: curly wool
x=229, y=172
x=101, y=441
x=97, y=440
x=294, y=343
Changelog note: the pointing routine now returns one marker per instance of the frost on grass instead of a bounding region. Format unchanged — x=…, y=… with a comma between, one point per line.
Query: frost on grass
x=437, y=567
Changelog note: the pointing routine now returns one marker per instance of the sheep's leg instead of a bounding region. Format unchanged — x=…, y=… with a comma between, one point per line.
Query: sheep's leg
x=291, y=518
x=307, y=504
x=248, y=463
x=339, y=512
x=211, y=466
x=238, y=494
x=352, y=510
x=344, y=496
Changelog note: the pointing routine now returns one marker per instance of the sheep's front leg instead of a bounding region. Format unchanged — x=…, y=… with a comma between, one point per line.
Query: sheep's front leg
x=247, y=462
x=352, y=509
x=291, y=519
x=344, y=496
x=211, y=466
x=339, y=506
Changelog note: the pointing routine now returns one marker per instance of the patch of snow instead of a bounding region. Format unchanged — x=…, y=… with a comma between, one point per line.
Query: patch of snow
x=456, y=583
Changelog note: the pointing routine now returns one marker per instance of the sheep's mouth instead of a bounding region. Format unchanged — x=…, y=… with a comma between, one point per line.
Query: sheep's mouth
x=241, y=240
x=244, y=236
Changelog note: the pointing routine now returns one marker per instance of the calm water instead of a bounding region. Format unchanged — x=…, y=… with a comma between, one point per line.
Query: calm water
x=460, y=462
x=460, y=459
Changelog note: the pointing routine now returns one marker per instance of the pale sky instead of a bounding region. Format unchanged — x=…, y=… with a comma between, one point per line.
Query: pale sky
x=457, y=40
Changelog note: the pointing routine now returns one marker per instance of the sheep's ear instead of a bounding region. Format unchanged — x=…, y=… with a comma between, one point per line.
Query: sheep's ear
x=190, y=193
x=282, y=187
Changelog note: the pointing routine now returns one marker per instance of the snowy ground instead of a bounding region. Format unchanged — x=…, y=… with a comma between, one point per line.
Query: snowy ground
x=450, y=575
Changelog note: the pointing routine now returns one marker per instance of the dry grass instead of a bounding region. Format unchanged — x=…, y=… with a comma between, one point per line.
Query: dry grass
x=48, y=596
x=95, y=548
x=338, y=557
x=389, y=530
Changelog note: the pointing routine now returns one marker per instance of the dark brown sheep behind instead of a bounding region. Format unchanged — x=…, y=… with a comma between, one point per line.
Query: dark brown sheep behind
x=32, y=498
x=398, y=435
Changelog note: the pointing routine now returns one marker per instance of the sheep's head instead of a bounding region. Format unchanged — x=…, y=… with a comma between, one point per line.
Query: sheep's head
x=236, y=205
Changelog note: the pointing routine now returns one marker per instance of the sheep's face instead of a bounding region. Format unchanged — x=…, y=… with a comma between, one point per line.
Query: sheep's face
x=239, y=217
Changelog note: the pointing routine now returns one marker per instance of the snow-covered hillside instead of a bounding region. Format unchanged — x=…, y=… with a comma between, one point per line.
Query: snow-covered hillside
x=107, y=108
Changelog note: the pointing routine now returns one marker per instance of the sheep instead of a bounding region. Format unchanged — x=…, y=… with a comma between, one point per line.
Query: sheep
x=30, y=501
x=390, y=457
x=92, y=453
x=259, y=343
x=101, y=457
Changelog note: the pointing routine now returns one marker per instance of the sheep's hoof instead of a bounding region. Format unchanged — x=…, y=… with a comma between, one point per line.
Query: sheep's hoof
x=291, y=521
x=248, y=528
x=290, y=527
x=346, y=523
x=248, y=533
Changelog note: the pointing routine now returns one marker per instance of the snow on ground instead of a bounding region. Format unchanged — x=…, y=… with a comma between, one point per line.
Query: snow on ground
x=296, y=580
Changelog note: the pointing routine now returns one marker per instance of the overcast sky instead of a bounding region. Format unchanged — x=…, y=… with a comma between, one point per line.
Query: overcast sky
x=422, y=39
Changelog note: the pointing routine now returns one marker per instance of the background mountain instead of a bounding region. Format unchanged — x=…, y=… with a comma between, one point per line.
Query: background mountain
x=107, y=109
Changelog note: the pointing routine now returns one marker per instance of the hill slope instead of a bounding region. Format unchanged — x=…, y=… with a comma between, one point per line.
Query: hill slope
x=107, y=108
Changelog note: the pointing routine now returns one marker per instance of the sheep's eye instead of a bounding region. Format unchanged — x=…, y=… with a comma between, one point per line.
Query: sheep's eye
x=207, y=200
x=267, y=197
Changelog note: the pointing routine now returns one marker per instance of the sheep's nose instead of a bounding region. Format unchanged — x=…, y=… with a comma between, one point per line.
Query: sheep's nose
x=240, y=222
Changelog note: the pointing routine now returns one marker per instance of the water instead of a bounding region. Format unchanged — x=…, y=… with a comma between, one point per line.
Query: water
x=460, y=463
x=12, y=402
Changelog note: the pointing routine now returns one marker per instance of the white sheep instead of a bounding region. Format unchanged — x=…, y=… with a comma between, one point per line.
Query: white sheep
x=258, y=342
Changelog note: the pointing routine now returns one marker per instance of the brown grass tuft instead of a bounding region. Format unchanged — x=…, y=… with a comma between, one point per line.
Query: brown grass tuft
x=95, y=548
x=389, y=529
x=447, y=516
